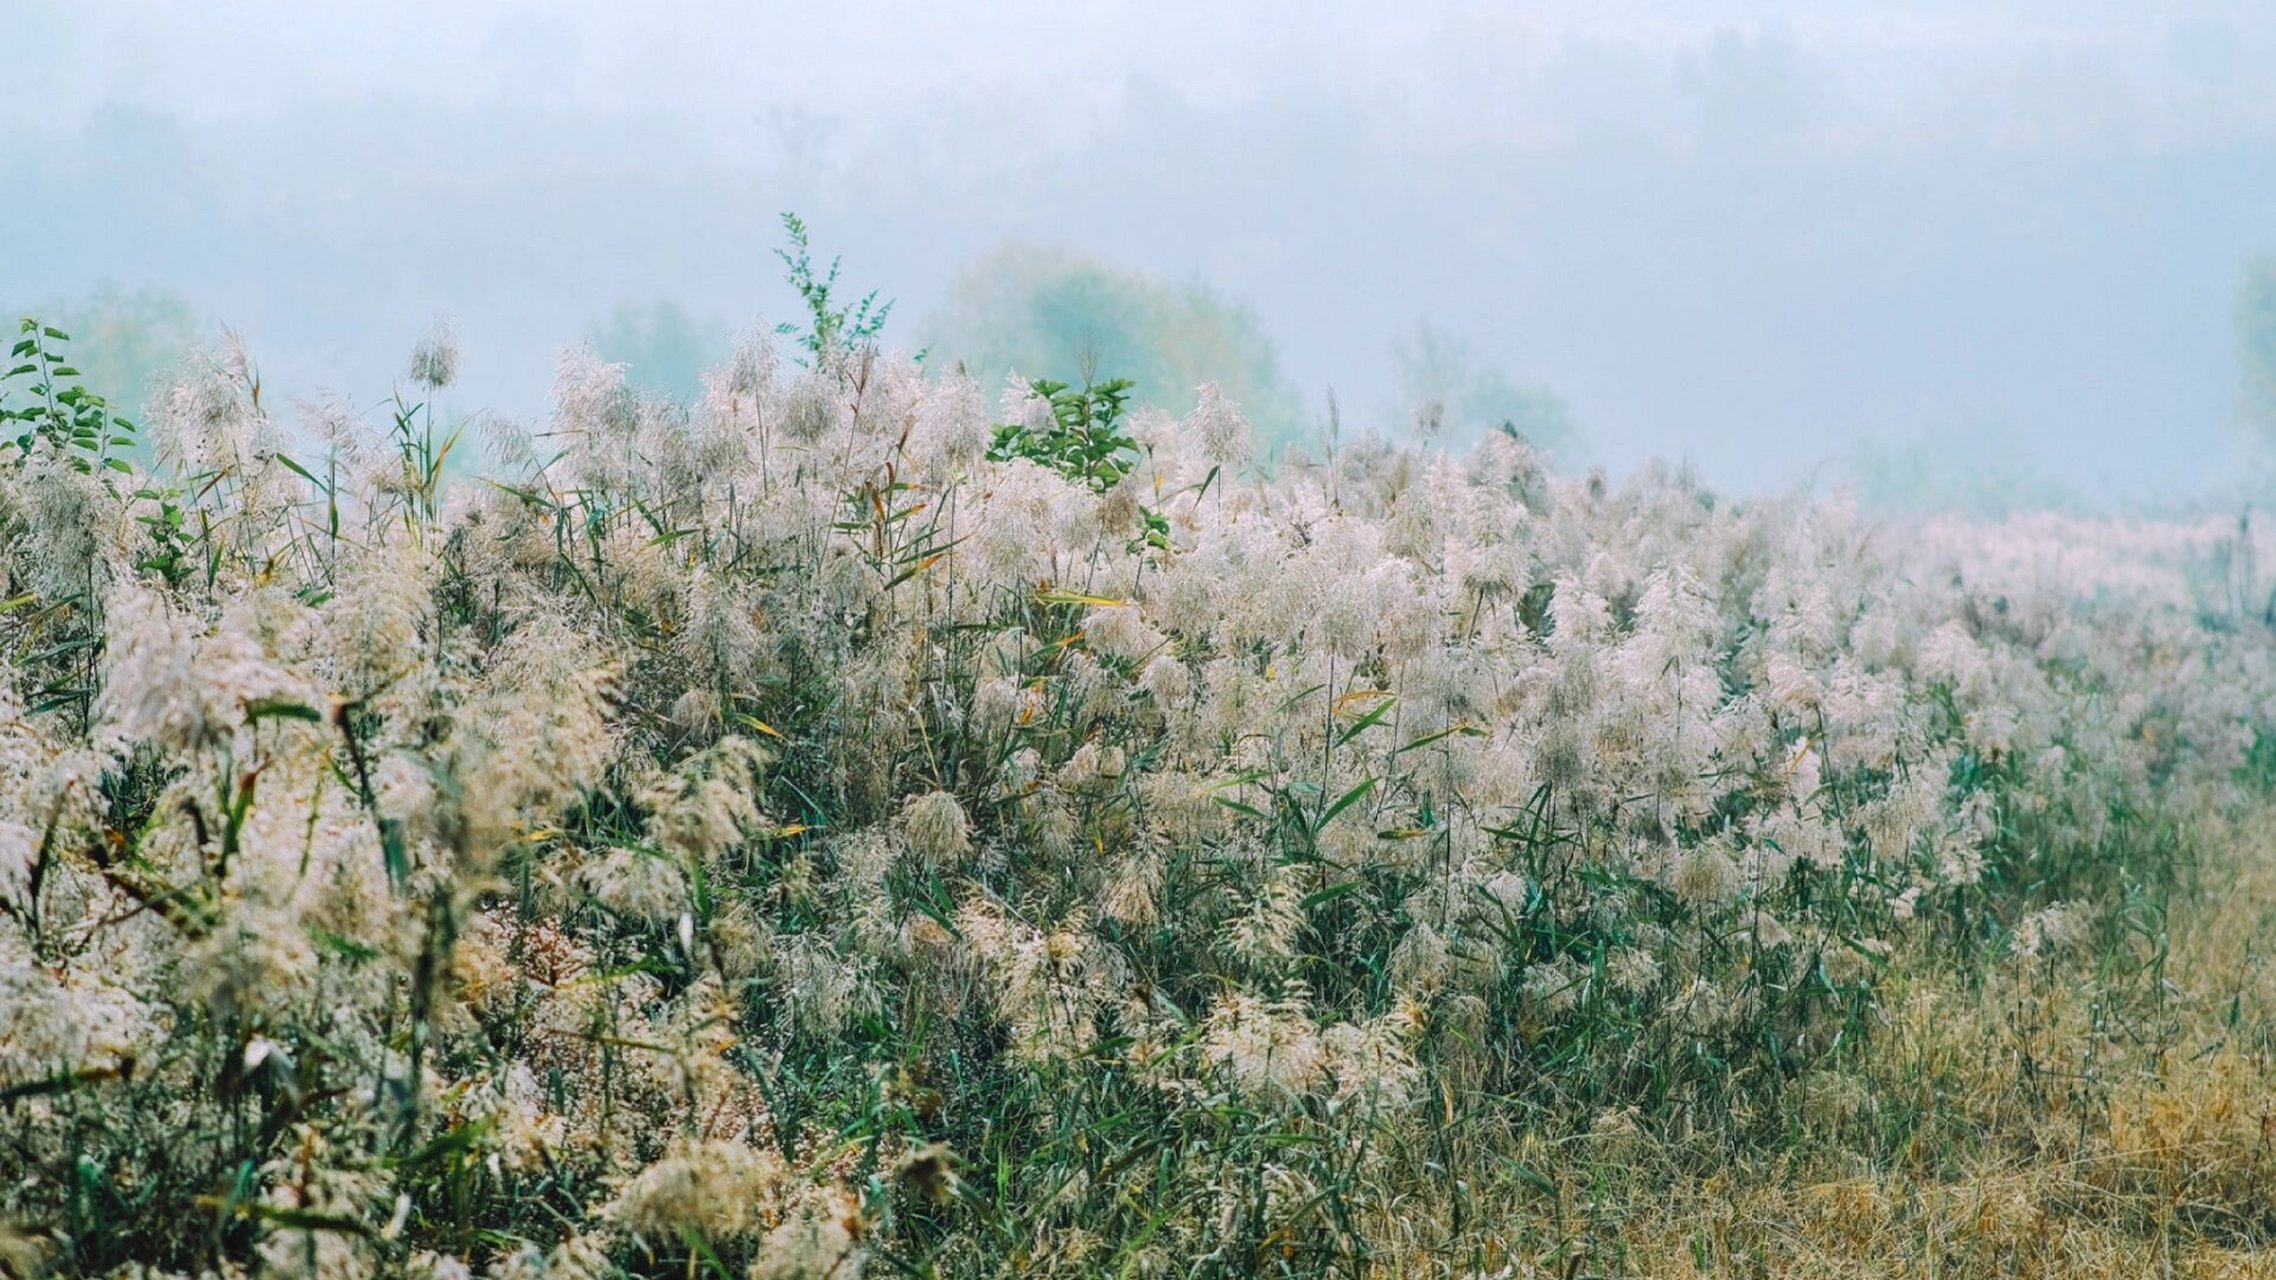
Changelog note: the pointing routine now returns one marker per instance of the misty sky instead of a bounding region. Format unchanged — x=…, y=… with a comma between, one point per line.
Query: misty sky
x=1746, y=235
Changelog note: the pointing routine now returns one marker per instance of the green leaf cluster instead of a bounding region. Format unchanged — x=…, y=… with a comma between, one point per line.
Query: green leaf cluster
x=1086, y=441
x=55, y=406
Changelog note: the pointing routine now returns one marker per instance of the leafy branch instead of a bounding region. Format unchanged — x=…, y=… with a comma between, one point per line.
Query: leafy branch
x=831, y=328
x=77, y=423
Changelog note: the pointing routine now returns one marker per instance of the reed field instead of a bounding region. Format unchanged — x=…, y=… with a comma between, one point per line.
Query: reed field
x=868, y=823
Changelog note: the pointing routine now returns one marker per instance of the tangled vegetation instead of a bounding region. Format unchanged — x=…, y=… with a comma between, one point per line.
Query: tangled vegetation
x=833, y=828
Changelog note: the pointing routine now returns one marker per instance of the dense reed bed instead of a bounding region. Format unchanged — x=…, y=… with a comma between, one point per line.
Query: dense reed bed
x=861, y=823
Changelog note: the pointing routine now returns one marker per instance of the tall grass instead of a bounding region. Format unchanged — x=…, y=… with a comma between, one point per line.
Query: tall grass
x=831, y=826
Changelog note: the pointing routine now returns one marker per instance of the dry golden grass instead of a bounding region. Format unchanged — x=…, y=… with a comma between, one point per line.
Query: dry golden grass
x=2086, y=1116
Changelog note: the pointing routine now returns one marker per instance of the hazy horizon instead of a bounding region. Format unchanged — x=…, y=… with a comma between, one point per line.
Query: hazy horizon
x=1751, y=237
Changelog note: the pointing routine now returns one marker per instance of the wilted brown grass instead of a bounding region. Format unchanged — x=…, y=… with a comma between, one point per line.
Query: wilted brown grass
x=2051, y=1121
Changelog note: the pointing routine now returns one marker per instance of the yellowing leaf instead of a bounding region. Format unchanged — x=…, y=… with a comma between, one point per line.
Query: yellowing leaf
x=1052, y=595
